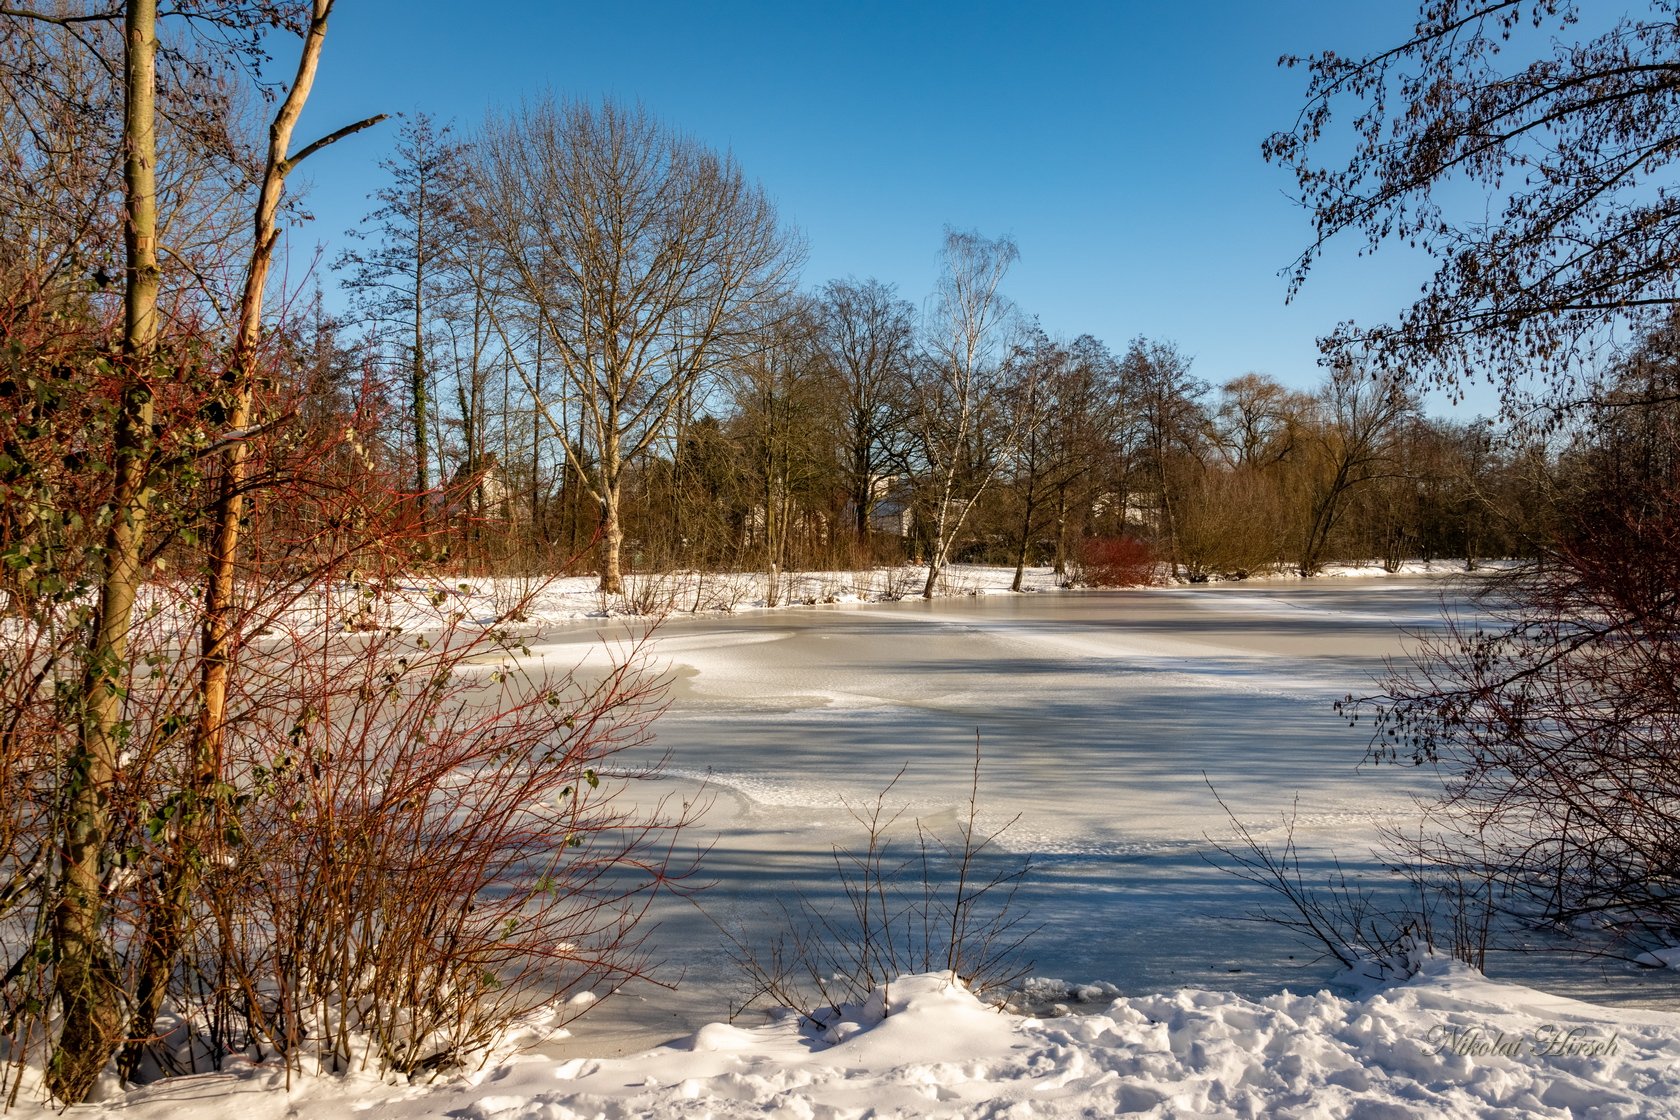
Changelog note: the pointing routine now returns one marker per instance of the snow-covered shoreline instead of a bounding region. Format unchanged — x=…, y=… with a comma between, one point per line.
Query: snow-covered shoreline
x=423, y=602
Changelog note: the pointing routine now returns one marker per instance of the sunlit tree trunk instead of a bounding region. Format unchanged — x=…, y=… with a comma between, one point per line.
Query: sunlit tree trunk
x=84, y=978
x=204, y=809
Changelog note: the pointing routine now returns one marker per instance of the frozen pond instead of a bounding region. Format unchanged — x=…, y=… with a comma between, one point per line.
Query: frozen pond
x=1103, y=719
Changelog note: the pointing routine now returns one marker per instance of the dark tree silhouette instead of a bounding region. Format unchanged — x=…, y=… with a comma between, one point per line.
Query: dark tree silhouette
x=1567, y=117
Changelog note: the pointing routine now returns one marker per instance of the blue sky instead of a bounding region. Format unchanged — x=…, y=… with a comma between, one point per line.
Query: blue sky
x=1117, y=143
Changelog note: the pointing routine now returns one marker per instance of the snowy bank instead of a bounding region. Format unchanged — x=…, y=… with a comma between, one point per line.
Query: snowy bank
x=424, y=603
x=1448, y=1043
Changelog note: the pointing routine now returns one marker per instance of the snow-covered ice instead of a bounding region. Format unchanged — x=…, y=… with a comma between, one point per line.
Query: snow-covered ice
x=1104, y=718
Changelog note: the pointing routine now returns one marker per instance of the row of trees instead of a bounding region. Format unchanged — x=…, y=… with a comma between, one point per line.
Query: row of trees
x=596, y=318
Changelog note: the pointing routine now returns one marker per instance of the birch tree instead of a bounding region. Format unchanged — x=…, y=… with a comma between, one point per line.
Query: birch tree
x=176, y=89
x=959, y=386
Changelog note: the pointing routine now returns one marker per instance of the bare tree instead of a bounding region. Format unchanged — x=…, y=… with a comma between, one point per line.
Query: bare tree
x=1565, y=115
x=85, y=981
x=1349, y=448
x=643, y=258
x=1554, y=721
x=415, y=228
x=1258, y=421
x=1173, y=425
x=959, y=383
x=220, y=633
x=1062, y=408
x=1086, y=442
x=868, y=335
x=84, y=977
x=784, y=422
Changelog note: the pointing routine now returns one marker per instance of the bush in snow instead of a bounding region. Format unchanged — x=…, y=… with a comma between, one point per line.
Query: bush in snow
x=1116, y=562
x=411, y=845
x=1556, y=726
x=933, y=904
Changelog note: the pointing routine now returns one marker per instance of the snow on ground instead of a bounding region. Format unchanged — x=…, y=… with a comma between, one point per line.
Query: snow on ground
x=418, y=603
x=1446, y=1044
x=424, y=602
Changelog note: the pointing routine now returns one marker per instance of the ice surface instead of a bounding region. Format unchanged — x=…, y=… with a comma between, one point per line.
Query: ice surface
x=1103, y=718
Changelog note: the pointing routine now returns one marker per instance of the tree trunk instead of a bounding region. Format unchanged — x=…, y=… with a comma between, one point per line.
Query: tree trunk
x=612, y=545
x=167, y=922
x=1061, y=530
x=539, y=531
x=936, y=559
x=1031, y=503
x=417, y=384
x=84, y=977
x=612, y=532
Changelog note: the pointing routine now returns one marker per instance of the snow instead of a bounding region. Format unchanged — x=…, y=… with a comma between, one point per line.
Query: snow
x=1103, y=711
x=1448, y=1043
x=1666, y=957
x=425, y=602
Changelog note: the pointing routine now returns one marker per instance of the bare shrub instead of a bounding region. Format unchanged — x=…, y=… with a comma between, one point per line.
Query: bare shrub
x=1228, y=524
x=725, y=591
x=1377, y=930
x=892, y=583
x=1554, y=718
x=1339, y=914
x=648, y=594
x=423, y=846
x=934, y=904
x=1116, y=562
x=411, y=843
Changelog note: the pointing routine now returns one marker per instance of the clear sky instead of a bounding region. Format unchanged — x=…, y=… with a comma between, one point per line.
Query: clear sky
x=1117, y=143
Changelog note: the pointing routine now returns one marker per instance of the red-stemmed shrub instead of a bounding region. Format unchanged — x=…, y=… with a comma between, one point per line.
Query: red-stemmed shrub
x=1117, y=562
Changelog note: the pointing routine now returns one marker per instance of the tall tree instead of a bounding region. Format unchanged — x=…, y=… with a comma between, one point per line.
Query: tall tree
x=1350, y=447
x=784, y=423
x=1258, y=421
x=1061, y=406
x=868, y=336
x=177, y=89
x=123, y=41
x=959, y=383
x=1172, y=424
x=403, y=269
x=644, y=259
x=219, y=635
x=84, y=977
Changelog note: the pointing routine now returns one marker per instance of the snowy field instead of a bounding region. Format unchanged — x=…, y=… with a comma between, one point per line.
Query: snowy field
x=1106, y=720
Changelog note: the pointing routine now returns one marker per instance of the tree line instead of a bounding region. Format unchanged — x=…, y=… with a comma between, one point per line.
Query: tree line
x=591, y=325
